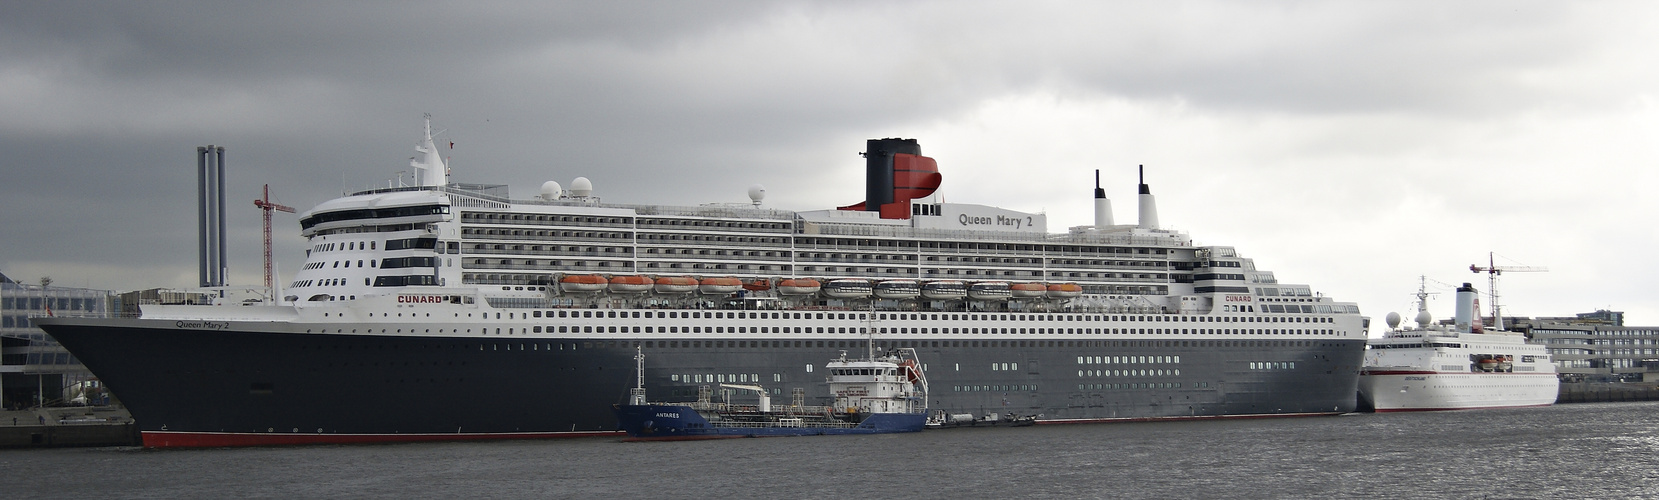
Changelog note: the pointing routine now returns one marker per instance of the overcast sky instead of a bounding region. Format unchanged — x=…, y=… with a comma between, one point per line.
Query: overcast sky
x=1351, y=146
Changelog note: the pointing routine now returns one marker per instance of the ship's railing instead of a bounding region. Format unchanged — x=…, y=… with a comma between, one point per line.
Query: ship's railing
x=714, y=211
x=1171, y=239
x=475, y=199
x=568, y=253
x=791, y=425
x=722, y=211
x=731, y=407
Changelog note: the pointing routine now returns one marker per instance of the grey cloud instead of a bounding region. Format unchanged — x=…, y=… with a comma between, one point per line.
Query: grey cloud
x=683, y=103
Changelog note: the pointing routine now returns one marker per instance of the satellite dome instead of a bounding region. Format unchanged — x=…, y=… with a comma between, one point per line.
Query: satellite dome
x=757, y=192
x=1393, y=320
x=1424, y=318
x=581, y=187
x=550, y=190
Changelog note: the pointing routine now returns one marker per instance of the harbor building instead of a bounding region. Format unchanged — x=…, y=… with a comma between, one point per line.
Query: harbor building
x=1598, y=347
x=34, y=369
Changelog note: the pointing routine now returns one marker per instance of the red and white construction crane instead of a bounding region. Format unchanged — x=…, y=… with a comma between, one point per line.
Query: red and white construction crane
x=265, y=204
x=1492, y=271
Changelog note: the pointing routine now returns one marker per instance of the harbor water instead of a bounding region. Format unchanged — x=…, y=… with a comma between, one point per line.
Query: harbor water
x=1599, y=450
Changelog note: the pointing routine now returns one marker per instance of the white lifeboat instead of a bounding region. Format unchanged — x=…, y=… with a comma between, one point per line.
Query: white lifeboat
x=1028, y=290
x=582, y=283
x=630, y=284
x=799, y=286
x=898, y=289
x=945, y=290
x=676, y=284
x=1064, y=290
x=847, y=288
x=989, y=290
x=719, y=286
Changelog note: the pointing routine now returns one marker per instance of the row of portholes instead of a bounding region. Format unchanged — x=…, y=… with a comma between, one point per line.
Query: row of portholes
x=1143, y=385
x=993, y=388
x=1102, y=360
x=1127, y=373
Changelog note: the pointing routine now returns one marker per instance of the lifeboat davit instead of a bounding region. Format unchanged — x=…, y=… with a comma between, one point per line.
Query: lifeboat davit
x=898, y=289
x=631, y=284
x=945, y=290
x=911, y=372
x=1488, y=364
x=582, y=283
x=847, y=289
x=1064, y=290
x=1028, y=290
x=799, y=286
x=676, y=284
x=989, y=290
x=719, y=286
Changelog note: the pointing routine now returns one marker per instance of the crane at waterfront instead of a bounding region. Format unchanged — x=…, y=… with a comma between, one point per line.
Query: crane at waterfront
x=1492, y=271
x=264, y=203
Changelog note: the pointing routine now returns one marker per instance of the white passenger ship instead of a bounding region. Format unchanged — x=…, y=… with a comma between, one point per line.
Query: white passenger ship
x=1464, y=367
x=452, y=311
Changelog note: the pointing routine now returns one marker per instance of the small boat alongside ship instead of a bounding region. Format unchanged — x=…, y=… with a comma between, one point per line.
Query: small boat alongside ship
x=1432, y=367
x=942, y=420
x=874, y=395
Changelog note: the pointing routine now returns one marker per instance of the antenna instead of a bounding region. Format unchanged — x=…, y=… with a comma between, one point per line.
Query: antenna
x=871, y=338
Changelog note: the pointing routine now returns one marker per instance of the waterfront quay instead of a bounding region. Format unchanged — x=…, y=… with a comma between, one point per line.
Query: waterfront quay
x=66, y=427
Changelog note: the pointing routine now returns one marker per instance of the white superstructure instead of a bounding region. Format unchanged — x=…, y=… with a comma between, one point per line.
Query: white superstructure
x=1464, y=367
x=471, y=244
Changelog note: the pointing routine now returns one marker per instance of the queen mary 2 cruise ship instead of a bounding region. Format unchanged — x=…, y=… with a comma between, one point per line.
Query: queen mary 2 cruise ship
x=447, y=311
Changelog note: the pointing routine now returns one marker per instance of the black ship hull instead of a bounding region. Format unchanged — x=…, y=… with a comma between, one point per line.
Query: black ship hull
x=193, y=387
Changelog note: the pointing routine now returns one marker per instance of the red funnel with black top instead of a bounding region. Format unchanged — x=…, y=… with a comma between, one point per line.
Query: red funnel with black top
x=895, y=173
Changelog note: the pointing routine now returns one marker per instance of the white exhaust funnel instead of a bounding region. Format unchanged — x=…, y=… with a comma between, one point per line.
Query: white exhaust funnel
x=1102, y=206
x=1465, y=320
x=1149, y=205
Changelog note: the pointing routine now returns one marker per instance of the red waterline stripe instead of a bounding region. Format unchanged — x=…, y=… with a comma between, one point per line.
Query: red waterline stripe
x=688, y=438
x=178, y=439
x=1166, y=419
x=1426, y=372
x=1393, y=410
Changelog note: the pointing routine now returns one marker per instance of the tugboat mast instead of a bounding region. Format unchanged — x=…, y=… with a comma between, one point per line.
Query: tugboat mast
x=636, y=396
